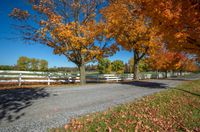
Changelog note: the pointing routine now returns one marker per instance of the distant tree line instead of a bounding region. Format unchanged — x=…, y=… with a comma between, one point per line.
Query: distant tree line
x=25, y=64
x=89, y=67
x=63, y=69
x=32, y=64
x=8, y=67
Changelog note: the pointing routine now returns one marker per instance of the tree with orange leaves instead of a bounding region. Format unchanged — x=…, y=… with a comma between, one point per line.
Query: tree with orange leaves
x=178, y=22
x=131, y=29
x=70, y=27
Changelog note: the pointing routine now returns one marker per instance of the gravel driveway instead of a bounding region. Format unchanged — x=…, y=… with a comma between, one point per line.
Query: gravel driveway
x=41, y=108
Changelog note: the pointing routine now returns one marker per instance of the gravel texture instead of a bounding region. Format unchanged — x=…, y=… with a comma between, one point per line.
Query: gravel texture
x=38, y=109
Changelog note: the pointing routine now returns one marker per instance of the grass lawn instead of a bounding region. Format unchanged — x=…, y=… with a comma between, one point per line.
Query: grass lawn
x=175, y=109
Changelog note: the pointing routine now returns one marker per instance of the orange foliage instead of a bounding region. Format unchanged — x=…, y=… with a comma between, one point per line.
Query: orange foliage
x=178, y=21
x=69, y=32
x=166, y=60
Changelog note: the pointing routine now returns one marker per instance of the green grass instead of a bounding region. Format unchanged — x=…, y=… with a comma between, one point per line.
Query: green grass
x=175, y=109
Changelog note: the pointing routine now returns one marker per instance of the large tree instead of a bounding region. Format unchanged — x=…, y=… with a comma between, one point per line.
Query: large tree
x=71, y=27
x=132, y=29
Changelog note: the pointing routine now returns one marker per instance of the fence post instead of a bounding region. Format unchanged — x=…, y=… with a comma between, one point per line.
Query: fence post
x=49, y=79
x=20, y=79
x=97, y=77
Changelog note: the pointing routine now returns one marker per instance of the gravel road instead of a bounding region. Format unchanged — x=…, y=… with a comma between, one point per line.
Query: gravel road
x=37, y=109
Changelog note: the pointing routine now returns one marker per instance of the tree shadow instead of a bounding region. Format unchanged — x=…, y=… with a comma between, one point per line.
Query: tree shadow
x=195, y=94
x=146, y=84
x=13, y=101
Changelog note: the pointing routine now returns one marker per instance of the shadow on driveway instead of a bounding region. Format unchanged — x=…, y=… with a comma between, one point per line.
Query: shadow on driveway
x=147, y=84
x=13, y=101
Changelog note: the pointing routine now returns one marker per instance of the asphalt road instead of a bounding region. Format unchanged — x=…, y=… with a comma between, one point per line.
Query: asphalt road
x=37, y=109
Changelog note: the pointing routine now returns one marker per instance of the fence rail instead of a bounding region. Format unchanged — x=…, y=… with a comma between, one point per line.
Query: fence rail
x=54, y=77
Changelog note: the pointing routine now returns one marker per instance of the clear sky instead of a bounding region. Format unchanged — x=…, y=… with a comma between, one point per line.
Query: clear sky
x=12, y=47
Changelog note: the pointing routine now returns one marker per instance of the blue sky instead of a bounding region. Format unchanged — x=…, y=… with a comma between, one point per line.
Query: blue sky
x=12, y=47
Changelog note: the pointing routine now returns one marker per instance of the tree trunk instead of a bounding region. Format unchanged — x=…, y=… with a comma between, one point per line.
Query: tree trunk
x=135, y=66
x=82, y=74
x=165, y=74
x=136, y=77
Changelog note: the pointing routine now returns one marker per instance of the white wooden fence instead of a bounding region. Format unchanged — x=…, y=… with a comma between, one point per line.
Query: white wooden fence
x=21, y=77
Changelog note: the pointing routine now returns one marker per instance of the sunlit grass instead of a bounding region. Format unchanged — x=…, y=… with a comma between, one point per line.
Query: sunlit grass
x=175, y=109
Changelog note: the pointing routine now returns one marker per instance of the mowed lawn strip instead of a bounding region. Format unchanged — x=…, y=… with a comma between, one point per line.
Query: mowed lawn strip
x=176, y=109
